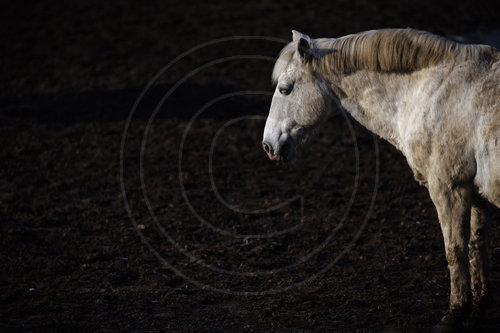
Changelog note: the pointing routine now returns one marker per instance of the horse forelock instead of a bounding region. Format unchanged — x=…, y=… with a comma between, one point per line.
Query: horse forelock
x=283, y=60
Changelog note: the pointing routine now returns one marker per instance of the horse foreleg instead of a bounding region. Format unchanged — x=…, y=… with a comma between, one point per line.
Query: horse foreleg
x=478, y=255
x=453, y=204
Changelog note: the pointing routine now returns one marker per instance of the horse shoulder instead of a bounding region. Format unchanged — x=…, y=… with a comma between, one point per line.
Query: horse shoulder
x=437, y=125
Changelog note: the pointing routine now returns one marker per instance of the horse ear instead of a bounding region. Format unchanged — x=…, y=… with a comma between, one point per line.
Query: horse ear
x=296, y=35
x=304, y=49
x=303, y=45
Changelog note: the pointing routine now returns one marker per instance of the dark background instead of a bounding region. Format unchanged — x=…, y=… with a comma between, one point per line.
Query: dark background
x=71, y=259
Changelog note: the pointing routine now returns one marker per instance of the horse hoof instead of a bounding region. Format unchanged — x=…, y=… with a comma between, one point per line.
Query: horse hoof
x=449, y=324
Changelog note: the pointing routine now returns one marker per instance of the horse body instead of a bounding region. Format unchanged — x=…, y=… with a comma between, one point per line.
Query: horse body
x=435, y=100
x=439, y=125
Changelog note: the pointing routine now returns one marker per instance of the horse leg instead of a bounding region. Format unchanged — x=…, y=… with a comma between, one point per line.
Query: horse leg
x=453, y=204
x=478, y=262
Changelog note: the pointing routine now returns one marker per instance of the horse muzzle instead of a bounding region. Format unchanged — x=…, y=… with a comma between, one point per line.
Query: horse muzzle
x=282, y=152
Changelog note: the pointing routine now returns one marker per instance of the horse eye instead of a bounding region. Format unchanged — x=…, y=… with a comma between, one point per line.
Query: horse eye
x=285, y=90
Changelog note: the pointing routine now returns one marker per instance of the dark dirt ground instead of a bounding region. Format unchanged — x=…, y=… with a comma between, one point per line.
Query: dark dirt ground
x=72, y=259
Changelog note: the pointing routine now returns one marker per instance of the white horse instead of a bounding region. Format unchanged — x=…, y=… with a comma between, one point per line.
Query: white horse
x=437, y=101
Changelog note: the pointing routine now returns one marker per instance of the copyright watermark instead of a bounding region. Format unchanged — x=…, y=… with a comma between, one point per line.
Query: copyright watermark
x=198, y=211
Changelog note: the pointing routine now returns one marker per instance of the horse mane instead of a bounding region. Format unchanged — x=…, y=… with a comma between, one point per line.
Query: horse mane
x=386, y=50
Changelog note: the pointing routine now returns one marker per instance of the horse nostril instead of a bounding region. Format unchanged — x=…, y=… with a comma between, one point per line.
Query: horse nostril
x=267, y=147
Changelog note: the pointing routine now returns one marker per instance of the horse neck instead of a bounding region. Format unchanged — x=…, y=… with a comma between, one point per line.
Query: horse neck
x=374, y=100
